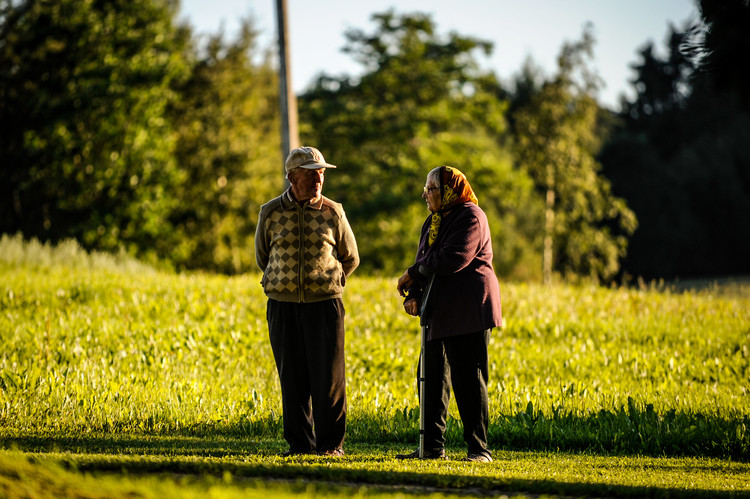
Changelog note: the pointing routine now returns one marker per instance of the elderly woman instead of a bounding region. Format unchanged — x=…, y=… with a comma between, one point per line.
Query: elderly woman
x=464, y=305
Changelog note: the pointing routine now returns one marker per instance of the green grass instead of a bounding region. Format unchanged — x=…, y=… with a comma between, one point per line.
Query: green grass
x=109, y=366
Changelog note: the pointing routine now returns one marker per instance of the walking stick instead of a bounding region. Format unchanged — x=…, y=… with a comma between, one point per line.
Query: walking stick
x=423, y=322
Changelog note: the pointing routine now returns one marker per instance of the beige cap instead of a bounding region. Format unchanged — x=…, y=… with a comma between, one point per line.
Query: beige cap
x=306, y=157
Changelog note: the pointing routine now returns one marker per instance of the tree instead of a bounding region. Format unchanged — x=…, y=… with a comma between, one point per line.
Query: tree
x=636, y=158
x=228, y=142
x=680, y=154
x=119, y=130
x=721, y=47
x=86, y=151
x=421, y=102
x=661, y=85
x=585, y=226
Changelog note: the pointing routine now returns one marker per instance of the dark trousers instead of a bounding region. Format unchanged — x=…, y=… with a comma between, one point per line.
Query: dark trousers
x=308, y=345
x=461, y=362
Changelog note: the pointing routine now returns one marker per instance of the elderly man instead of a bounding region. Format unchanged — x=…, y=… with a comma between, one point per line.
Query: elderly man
x=306, y=250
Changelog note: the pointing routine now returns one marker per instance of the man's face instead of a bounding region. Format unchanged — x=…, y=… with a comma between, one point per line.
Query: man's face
x=307, y=185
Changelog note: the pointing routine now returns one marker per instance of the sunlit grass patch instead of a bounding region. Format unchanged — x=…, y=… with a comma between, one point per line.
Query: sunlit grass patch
x=95, y=347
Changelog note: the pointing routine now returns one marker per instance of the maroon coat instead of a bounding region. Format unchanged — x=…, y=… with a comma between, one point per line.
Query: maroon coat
x=465, y=296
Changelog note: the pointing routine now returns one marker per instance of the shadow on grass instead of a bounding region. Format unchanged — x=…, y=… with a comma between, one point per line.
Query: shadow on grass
x=145, y=445
x=631, y=429
x=369, y=466
x=733, y=285
x=635, y=429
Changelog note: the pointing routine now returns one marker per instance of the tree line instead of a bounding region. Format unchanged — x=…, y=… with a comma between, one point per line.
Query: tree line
x=124, y=129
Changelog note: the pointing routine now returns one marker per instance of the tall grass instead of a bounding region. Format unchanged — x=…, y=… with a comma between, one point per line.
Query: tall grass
x=15, y=251
x=98, y=343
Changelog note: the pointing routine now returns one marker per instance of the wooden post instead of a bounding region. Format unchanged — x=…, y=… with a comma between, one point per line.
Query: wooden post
x=287, y=99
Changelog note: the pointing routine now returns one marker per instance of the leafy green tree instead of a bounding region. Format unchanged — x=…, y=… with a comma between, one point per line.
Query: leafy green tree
x=85, y=149
x=558, y=137
x=422, y=102
x=228, y=148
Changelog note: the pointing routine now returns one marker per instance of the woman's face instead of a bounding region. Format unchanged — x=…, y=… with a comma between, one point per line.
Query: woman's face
x=431, y=194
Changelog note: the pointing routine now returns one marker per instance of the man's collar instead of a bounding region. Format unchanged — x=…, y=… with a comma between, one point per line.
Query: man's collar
x=316, y=205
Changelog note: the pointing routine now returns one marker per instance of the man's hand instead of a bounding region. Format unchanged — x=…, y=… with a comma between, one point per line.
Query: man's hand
x=404, y=282
x=411, y=307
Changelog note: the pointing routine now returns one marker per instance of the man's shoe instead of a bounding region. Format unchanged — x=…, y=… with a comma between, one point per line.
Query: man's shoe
x=427, y=455
x=332, y=453
x=291, y=453
x=478, y=458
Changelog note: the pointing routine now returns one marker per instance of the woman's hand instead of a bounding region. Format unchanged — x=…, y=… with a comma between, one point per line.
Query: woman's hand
x=404, y=282
x=411, y=307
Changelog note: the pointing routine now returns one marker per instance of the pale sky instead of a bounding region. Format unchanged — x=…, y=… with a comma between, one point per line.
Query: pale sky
x=518, y=28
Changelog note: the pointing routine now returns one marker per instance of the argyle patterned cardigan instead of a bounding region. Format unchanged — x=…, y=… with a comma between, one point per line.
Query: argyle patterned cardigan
x=305, y=252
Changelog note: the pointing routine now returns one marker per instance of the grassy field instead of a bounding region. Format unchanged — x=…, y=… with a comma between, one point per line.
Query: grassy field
x=118, y=376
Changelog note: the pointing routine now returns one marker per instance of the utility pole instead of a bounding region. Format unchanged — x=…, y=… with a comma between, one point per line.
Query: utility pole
x=287, y=99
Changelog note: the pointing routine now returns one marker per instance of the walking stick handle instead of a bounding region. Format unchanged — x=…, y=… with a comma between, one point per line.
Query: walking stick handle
x=425, y=271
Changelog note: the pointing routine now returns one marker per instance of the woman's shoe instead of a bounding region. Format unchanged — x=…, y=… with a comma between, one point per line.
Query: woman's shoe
x=427, y=455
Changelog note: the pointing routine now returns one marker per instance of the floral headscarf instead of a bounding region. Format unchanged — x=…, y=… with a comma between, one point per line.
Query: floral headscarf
x=455, y=189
